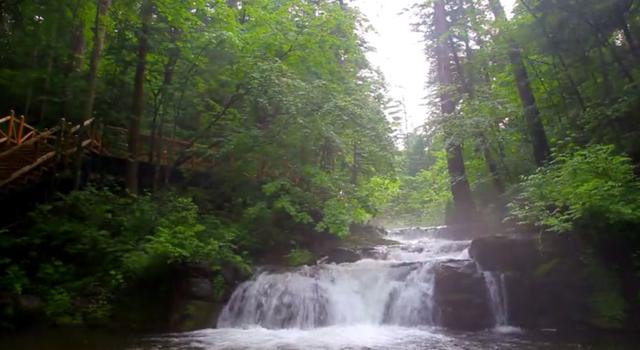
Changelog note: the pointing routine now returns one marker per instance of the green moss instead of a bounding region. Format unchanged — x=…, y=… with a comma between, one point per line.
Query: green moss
x=545, y=268
x=300, y=257
x=609, y=308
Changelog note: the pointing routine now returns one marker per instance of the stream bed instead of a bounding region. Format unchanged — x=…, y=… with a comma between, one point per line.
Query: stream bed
x=385, y=301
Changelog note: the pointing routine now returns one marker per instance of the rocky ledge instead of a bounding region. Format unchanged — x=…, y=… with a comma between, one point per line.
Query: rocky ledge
x=552, y=282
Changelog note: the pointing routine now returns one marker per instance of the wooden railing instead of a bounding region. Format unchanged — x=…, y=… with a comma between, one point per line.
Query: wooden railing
x=15, y=130
x=21, y=153
x=23, y=148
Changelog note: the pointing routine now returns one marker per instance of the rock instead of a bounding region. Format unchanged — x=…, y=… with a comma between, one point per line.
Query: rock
x=357, y=229
x=460, y=232
x=552, y=282
x=365, y=236
x=194, y=315
x=461, y=297
x=29, y=303
x=342, y=255
x=370, y=253
x=200, y=289
x=505, y=253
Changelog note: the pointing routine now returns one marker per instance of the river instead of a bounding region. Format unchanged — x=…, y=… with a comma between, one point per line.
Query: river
x=384, y=301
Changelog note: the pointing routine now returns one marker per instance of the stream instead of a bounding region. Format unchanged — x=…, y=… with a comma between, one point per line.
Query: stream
x=384, y=301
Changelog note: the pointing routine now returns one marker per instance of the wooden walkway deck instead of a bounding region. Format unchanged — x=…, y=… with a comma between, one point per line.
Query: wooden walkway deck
x=27, y=153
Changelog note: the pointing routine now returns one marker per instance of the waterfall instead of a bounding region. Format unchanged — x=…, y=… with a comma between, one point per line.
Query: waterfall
x=498, y=297
x=395, y=287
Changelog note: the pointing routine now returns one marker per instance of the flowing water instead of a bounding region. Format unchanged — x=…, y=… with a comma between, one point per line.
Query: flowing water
x=392, y=287
x=385, y=301
x=498, y=299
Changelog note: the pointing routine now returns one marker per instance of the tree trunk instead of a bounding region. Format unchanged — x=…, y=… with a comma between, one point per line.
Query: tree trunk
x=157, y=127
x=606, y=86
x=469, y=89
x=464, y=207
x=74, y=67
x=99, y=32
x=146, y=13
x=28, y=100
x=355, y=167
x=46, y=91
x=541, y=150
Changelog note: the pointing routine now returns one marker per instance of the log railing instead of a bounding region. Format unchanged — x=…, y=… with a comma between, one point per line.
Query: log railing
x=23, y=148
x=15, y=130
x=20, y=152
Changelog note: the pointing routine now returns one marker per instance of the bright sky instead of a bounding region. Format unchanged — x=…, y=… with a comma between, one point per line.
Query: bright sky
x=400, y=52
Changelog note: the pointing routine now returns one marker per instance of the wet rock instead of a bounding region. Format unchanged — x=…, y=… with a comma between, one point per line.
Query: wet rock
x=550, y=281
x=370, y=253
x=461, y=298
x=29, y=304
x=200, y=289
x=505, y=253
x=342, y=255
x=365, y=236
x=194, y=315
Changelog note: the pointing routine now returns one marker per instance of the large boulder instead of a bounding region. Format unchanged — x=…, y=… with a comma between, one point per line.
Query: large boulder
x=200, y=289
x=505, y=253
x=461, y=298
x=196, y=298
x=551, y=281
x=195, y=314
x=342, y=255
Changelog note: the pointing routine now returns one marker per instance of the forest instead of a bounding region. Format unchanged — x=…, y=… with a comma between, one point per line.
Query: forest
x=224, y=135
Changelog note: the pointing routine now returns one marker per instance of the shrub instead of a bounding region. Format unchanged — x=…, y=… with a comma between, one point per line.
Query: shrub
x=594, y=183
x=81, y=251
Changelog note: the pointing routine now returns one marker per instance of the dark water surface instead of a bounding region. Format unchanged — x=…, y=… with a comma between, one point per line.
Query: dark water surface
x=364, y=337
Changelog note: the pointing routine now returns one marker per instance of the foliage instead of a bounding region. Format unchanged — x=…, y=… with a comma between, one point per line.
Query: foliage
x=418, y=200
x=300, y=257
x=578, y=186
x=283, y=86
x=92, y=244
x=608, y=306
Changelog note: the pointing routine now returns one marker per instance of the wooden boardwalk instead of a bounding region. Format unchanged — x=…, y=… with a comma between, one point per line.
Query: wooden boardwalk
x=27, y=153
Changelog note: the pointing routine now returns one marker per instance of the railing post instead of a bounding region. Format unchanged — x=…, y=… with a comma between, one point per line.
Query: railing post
x=12, y=115
x=36, y=150
x=77, y=162
x=20, y=130
x=60, y=141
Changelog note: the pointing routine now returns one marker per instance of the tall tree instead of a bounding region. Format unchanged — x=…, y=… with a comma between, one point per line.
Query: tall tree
x=99, y=32
x=464, y=207
x=74, y=66
x=137, y=111
x=537, y=134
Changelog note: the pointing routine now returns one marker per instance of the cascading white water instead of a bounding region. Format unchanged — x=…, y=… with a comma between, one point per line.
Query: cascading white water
x=395, y=287
x=496, y=287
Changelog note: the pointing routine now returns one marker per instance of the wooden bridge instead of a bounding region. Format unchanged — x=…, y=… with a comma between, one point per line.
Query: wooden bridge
x=27, y=153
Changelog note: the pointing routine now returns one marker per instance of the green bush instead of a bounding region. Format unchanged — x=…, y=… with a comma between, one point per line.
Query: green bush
x=578, y=187
x=80, y=252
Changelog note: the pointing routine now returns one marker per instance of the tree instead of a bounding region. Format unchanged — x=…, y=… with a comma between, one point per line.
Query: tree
x=99, y=32
x=464, y=207
x=137, y=112
x=541, y=149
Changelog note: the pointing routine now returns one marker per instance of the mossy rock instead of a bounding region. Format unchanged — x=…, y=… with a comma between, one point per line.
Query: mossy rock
x=196, y=314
